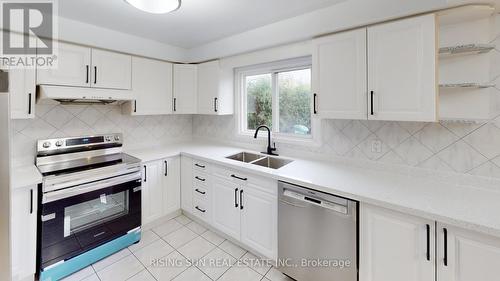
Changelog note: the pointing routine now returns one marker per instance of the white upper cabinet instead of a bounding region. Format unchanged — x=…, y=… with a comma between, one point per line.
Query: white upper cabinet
x=395, y=246
x=111, y=70
x=402, y=82
x=213, y=96
x=185, y=89
x=22, y=92
x=152, y=87
x=73, y=67
x=81, y=66
x=465, y=255
x=339, y=75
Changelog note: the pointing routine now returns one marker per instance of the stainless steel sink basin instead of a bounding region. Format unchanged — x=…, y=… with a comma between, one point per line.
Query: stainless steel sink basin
x=272, y=162
x=246, y=157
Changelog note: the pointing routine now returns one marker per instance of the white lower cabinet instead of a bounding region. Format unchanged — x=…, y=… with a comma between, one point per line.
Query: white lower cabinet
x=226, y=208
x=160, y=188
x=259, y=219
x=395, y=246
x=465, y=255
x=23, y=232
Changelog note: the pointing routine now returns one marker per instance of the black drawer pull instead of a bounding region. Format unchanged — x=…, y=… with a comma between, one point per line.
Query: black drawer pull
x=200, y=192
x=236, y=177
x=145, y=174
x=29, y=103
x=445, y=242
x=314, y=103
x=200, y=179
x=31, y=201
x=428, y=227
x=236, y=198
x=87, y=79
x=166, y=168
x=201, y=210
x=95, y=74
x=372, y=112
x=241, y=199
x=200, y=166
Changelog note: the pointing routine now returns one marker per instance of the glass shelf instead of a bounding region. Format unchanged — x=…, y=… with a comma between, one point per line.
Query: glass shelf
x=467, y=49
x=467, y=85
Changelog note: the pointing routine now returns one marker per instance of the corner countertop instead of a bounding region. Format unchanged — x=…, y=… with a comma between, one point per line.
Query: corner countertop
x=25, y=176
x=467, y=205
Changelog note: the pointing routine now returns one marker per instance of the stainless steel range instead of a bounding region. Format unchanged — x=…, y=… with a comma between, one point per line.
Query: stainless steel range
x=90, y=202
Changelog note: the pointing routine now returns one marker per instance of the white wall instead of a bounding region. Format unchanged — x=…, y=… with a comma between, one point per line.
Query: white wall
x=87, y=34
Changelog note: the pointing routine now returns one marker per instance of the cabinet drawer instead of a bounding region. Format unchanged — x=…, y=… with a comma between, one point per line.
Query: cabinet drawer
x=201, y=193
x=200, y=166
x=200, y=179
x=200, y=209
x=261, y=183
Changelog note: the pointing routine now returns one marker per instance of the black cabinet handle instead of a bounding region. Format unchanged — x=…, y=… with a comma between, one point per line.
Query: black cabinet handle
x=87, y=79
x=135, y=106
x=166, y=168
x=236, y=177
x=29, y=103
x=175, y=104
x=236, y=198
x=95, y=74
x=145, y=174
x=428, y=242
x=201, y=210
x=31, y=201
x=199, y=166
x=200, y=192
x=215, y=104
x=314, y=103
x=200, y=179
x=241, y=199
x=445, y=242
x=371, y=103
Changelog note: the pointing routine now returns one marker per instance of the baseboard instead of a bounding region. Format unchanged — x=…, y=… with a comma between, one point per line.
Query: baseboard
x=161, y=220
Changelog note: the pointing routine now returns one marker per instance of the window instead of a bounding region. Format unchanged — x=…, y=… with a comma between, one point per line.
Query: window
x=278, y=97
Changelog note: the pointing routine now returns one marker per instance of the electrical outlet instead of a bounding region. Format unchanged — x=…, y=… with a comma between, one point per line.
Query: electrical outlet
x=376, y=146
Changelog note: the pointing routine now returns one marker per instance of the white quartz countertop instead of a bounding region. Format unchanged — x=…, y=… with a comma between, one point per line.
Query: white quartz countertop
x=467, y=206
x=25, y=176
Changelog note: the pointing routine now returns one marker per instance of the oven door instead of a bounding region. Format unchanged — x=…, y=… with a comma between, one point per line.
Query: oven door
x=80, y=218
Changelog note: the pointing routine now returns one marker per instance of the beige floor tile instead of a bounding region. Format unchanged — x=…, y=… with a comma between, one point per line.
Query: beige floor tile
x=153, y=251
x=240, y=273
x=213, y=237
x=142, y=276
x=196, y=249
x=180, y=237
x=182, y=219
x=192, y=274
x=100, y=265
x=215, y=263
x=147, y=238
x=276, y=275
x=171, y=266
x=262, y=266
x=92, y=277
x=232, y=249
x=196, y=227
x=166, y=228
x=121, y=270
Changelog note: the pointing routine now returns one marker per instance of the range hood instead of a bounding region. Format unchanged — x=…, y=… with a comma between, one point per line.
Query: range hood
x=76, y=95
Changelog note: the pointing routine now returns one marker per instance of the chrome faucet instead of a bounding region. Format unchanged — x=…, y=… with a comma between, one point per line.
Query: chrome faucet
x=270, y=150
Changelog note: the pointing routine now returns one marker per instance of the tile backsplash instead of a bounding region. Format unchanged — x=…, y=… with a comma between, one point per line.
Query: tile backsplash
x=54, y=121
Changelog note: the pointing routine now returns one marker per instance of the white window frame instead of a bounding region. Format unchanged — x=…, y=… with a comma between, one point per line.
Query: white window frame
x=273, y=68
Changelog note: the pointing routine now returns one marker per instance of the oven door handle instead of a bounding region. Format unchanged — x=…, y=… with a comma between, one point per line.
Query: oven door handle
x=77, y=190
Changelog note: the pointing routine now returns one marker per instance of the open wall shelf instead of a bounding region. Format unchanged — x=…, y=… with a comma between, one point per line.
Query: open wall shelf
x=467, y=49
x=466, y=85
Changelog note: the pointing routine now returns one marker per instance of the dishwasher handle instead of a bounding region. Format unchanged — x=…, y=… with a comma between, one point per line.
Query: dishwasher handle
x=339, y=208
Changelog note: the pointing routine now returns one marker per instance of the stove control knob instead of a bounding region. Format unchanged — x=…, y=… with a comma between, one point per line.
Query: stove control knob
x=46, y=144
x=59, y=143
x=108, y=138
x=117, y=138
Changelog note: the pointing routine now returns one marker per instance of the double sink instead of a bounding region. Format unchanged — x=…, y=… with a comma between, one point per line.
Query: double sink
x=260, y=160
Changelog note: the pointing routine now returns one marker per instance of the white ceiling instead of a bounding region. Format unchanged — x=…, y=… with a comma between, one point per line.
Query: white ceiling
x=197, y=22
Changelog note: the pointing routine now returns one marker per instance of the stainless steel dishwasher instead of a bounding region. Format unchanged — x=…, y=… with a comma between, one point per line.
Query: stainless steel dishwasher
x=317, y=235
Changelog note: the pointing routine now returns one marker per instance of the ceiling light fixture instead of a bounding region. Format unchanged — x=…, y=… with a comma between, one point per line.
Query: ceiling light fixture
x=156, y=6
